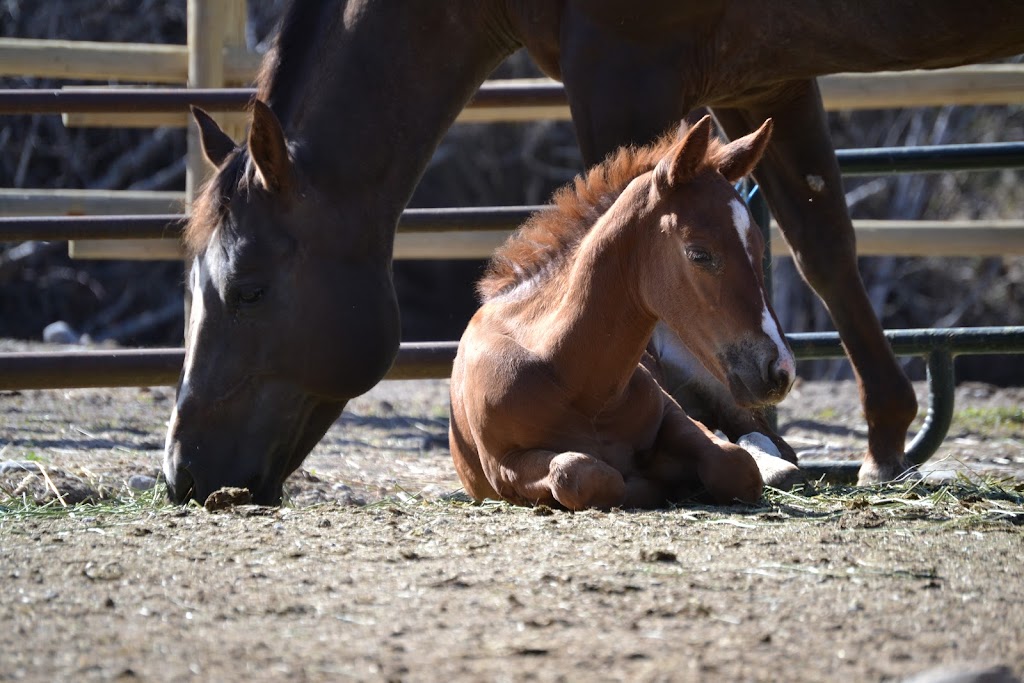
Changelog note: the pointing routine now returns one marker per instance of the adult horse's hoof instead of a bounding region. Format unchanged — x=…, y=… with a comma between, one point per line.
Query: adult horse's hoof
x=871, y=473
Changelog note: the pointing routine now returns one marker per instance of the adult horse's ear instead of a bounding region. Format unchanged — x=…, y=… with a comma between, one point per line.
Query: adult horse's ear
x=268, y=149
x=686, y=156
x=217, y=145
x=737, y=159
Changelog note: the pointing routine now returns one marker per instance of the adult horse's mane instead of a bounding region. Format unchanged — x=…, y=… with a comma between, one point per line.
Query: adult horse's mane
x=283, y=72
x=211, y=202
x=552, y=236
x=286, y=69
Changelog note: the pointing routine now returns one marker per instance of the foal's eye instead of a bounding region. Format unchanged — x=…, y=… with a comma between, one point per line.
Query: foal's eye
x=701, y=257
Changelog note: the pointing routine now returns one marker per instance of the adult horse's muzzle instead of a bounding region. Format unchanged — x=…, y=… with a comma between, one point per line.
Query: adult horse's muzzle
x=197, y=477
x=204, y=455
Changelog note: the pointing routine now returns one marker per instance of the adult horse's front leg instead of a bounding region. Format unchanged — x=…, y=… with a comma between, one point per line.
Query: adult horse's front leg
x=800, y=176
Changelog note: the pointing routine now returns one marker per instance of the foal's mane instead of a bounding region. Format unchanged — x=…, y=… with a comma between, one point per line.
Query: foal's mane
x=550, y=237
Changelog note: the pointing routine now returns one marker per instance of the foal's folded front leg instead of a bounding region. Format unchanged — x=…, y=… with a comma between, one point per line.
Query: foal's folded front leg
x=572, y=480
x=686, y=452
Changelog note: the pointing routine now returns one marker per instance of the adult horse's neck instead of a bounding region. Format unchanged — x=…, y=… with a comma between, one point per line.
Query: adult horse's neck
x=598, y=328
x=365, y=90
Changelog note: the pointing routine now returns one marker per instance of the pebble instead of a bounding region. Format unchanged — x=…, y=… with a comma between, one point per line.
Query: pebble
x=60, y=333
x=18, y=466
x=141, y=482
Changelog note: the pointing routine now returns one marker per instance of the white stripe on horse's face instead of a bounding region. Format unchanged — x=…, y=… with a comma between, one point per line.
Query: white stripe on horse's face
x=771, y=328
x=197, y=312
x=741, y=219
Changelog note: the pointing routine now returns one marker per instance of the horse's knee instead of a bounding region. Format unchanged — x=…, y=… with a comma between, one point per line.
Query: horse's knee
x=579, y=481
x=731, y=474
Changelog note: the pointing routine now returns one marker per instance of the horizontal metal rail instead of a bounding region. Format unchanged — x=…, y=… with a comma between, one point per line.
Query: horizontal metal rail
x=970, y=341
x=161, y=367
x=112, y=368
x=971, y=85
x=931, y=158
x=158, y=226
x=432, y=360
x=504, y=94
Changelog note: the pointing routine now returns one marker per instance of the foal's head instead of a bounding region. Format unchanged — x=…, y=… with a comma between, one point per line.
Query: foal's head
x=710, y=286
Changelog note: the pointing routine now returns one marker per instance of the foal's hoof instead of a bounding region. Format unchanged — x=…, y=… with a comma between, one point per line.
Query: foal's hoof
x=579, y=481
x=778, y=473
x=775, y=472
x=756, y=441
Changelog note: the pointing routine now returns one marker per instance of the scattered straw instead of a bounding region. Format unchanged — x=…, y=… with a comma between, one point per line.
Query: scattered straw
x=49, y=483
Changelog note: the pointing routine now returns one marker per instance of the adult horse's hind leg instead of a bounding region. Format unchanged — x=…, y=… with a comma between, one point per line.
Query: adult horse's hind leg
x=575, y=481
x=800, y=176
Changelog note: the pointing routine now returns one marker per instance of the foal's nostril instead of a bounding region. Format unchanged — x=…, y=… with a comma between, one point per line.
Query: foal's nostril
x=782, y=375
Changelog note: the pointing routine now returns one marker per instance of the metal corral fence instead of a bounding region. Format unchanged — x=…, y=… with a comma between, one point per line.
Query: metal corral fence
x=470, y=233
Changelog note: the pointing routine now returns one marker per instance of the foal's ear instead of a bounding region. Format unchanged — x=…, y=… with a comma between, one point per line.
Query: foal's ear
x=686, y=156
x=217, y=145
x=737, y=159
x=268, y=149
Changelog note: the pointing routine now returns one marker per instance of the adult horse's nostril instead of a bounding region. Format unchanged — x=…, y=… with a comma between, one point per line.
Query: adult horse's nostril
x=181, y=486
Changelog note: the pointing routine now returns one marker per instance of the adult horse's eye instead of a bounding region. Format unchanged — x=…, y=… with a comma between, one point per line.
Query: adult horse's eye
x=249, y=295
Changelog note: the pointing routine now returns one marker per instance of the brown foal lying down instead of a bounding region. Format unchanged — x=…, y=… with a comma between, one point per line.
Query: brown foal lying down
x=550, y=402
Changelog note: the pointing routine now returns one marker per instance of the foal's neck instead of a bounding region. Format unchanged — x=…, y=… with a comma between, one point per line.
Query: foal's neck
x=597, y=331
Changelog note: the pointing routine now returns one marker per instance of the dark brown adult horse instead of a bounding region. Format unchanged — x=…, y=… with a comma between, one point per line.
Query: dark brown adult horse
x=293, y=238
x=550, y=402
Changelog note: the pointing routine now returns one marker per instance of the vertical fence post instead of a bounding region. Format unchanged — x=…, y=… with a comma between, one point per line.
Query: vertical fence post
x=206, y=32
x=205, y=28
x=235, y=19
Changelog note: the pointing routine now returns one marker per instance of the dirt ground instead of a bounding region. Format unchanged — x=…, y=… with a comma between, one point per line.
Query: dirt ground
x=374, y=571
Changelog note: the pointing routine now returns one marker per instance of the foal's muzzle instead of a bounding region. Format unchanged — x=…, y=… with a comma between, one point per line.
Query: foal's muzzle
x=759, y=374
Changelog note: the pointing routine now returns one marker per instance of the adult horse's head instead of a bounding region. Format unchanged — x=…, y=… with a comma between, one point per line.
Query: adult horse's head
x=293, y=313
x=711, y=291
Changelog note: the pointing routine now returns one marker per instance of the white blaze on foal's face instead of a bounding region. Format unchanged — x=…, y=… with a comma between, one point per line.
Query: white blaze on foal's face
x=741, y=220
